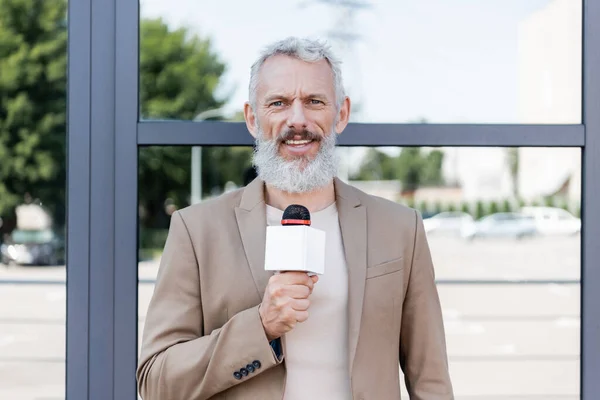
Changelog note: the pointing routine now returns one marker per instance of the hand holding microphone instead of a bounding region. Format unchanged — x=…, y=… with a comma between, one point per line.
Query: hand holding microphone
x=290, y=249
x=286, y=302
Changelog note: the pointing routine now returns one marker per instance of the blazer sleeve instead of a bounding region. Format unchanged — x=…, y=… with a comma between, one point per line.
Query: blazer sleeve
x=423, y=355
x=178, y=359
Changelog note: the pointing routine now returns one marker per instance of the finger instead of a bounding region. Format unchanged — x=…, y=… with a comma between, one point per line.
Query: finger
x=300, y=304
x=295, y=278
x=301, y=316
x=288, y=317
x=297, y=291
x=315, y=278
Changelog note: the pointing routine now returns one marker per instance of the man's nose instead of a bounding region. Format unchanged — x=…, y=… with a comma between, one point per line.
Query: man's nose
x=297, y=117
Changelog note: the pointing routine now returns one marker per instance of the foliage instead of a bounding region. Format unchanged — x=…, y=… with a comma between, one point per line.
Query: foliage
x=512, y=155
x=506, y=206
x=412, y=167
x=423, y=207
x=33, y=70
x=179, y=74
x=377, y=166
x=493, y=208
x=479, y=210
x=464, y=207
x=437, y=207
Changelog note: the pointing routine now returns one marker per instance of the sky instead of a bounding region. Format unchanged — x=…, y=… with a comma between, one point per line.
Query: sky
x=445, y=61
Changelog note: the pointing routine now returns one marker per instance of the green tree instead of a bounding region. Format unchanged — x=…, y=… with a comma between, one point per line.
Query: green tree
x=376, y=165
x=512, y=157
x=493, y=207
x=506, y=206
x=33, y=66
x=416, y=169
x=479, y=210
x=464, y=207
x=438, y=208
x=179, y=74
x=431, y=173
x=410, y=168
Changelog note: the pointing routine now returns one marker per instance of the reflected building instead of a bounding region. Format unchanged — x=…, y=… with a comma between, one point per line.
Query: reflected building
x=549, y=62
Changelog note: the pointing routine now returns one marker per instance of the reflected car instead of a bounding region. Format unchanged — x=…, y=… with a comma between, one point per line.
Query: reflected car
x=33, y=247
x=553, y=221
x=501, y=225
x=448, y=222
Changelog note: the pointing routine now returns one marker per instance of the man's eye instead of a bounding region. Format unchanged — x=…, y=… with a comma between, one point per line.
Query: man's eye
x=277, y=103
x=315, y=101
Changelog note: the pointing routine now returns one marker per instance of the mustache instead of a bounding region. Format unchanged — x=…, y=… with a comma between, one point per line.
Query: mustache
x=305, y=134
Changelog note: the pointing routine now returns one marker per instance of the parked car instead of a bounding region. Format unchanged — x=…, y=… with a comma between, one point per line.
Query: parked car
x=33, y=247
x=447, y=222
x=506, y=224
x=553, y=221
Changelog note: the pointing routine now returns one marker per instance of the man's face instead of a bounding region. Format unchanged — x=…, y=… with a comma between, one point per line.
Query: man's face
x=295, y=123
x=296, y=106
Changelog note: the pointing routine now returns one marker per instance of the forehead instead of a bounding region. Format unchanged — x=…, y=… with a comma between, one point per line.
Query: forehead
x=287, y=74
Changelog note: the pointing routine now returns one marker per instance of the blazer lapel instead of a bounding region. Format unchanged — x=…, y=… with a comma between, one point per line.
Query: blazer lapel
x=252, y=223
x=353, y=224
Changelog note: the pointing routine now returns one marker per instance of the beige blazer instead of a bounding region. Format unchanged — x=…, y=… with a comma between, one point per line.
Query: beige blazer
x=203, y=326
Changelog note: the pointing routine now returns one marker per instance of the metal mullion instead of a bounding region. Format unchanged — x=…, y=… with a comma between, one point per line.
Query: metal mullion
x=102, y=198
x=590, y=249
x=78, y=199
x=211, y=133
x=126, y=200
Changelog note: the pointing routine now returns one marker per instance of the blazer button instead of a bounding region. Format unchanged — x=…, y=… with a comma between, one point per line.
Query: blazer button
x=250, y=367
x=237, y=375
x=256, y=364
x=244, y=371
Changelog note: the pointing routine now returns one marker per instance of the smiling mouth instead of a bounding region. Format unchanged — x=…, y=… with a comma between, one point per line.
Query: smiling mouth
x=298, y=142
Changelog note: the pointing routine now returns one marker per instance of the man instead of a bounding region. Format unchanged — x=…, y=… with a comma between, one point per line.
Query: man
x=221, y=327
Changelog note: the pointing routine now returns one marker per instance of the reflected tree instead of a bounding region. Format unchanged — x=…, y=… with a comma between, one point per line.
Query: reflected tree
x=179, y=75
x=413, y=167
x=33, y=80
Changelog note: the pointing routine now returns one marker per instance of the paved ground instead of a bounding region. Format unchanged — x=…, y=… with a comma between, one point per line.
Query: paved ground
x=505, y=341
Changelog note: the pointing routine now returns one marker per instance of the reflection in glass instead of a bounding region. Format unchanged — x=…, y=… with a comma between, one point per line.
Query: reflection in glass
x=510, y=300
x=33, y=76
x=497, y=61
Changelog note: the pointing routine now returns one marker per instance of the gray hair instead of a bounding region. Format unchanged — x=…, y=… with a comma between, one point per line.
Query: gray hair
x=307, y=50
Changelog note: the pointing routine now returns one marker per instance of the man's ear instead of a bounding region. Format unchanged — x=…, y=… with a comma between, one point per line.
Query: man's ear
x=250, y=118
x=343, y=116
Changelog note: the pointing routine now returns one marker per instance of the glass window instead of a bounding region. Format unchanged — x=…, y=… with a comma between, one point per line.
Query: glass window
x=509, y=288
x=33, y=83
x=495, y=61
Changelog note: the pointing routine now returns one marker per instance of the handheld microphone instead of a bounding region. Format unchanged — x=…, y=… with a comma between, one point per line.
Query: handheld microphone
x=295, y=245
x=295, y=214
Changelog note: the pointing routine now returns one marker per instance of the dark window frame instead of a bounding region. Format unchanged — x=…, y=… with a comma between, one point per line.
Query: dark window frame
x=104, y=134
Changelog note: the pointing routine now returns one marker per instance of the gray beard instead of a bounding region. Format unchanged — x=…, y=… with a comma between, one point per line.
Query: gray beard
x=295, y=176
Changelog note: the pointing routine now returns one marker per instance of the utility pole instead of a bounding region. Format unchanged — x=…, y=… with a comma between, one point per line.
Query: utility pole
x=196, y=167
